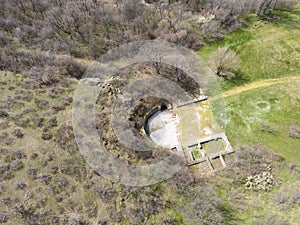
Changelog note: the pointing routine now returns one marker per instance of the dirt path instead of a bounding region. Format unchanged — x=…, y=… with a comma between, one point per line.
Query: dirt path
x=258, y=84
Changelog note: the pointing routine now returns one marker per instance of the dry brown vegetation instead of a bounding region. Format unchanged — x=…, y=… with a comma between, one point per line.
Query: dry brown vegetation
x=46, y=181
x=45, y=45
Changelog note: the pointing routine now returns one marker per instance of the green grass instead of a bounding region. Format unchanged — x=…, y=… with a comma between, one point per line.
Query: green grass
x=260, y=204
x=196, y=153
x=170, y=214
x=210, y=147
x=264, y=116
x=267, y=50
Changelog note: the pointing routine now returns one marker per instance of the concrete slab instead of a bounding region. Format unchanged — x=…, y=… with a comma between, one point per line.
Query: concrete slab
x=163, y=129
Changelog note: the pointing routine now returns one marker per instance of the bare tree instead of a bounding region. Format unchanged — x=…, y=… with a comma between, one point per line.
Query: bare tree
x=196, y=5
x=225, y=62
x=265, y=6
x=132, y=8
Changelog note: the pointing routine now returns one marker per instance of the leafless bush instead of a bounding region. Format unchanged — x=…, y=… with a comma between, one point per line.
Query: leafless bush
x=46, y=136
x=21, y=186
x=204, y=206
x=184, y=179
x=4, y=38
x=3, y=113
x=49, y=75
x=225, y=62
x=293, y=132
x=131, y=9
x=18, y=133
x=67, y=26
x=265, y=127
x=70, y=67
x=196, y=5
x=75, y=170
x=19, y=154
x=287, y=198
x=65, y=139
x=8, y=23
x=142, y=203
x=16, y=165
x=24, y=60
x=4, y=216
x=8, y=61
x=264, y=6
x=285, y=4
x=251, y=160
x=270, y=219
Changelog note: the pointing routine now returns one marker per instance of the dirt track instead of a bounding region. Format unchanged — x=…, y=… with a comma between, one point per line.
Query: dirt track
x=260, y=84
x=257, y=84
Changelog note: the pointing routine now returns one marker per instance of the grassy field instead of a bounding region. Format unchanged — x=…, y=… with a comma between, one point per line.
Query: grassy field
x=263, y=102
x=267, y=50
x=264, y=116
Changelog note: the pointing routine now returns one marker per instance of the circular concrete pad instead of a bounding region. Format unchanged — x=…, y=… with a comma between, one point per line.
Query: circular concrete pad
x=163, y=129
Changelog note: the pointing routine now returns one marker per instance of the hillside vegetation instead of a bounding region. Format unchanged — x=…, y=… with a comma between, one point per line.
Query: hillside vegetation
x=46, y=47
x=269, y=47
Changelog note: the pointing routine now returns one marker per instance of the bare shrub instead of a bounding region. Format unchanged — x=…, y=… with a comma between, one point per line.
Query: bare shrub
x=21, y=186
x=293, y=132
x=184, y=179
x=32, y=173
x=3, y=113
x=29, y=59
x=16, y=165
x=46, y=136
x=265, y=6
x=285, y=4
x=265, y=127
x=19, y=154
x=196, y=5
x=270, y=219
x=251, y=160
x=8, y=23
x=70, y=67
x=4, y=38
x=225, y=62
x=131, y=9
x=287, y=200
x=18, y=133
x=8, y=61
x=49, y=75
x=65, y=139
x=142, y=203
x=4, y=216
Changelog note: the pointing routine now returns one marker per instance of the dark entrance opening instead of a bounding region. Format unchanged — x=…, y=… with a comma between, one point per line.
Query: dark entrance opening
x=163, y=107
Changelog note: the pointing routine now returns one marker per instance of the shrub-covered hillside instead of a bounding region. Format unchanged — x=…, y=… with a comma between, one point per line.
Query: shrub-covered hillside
x=46, y=46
